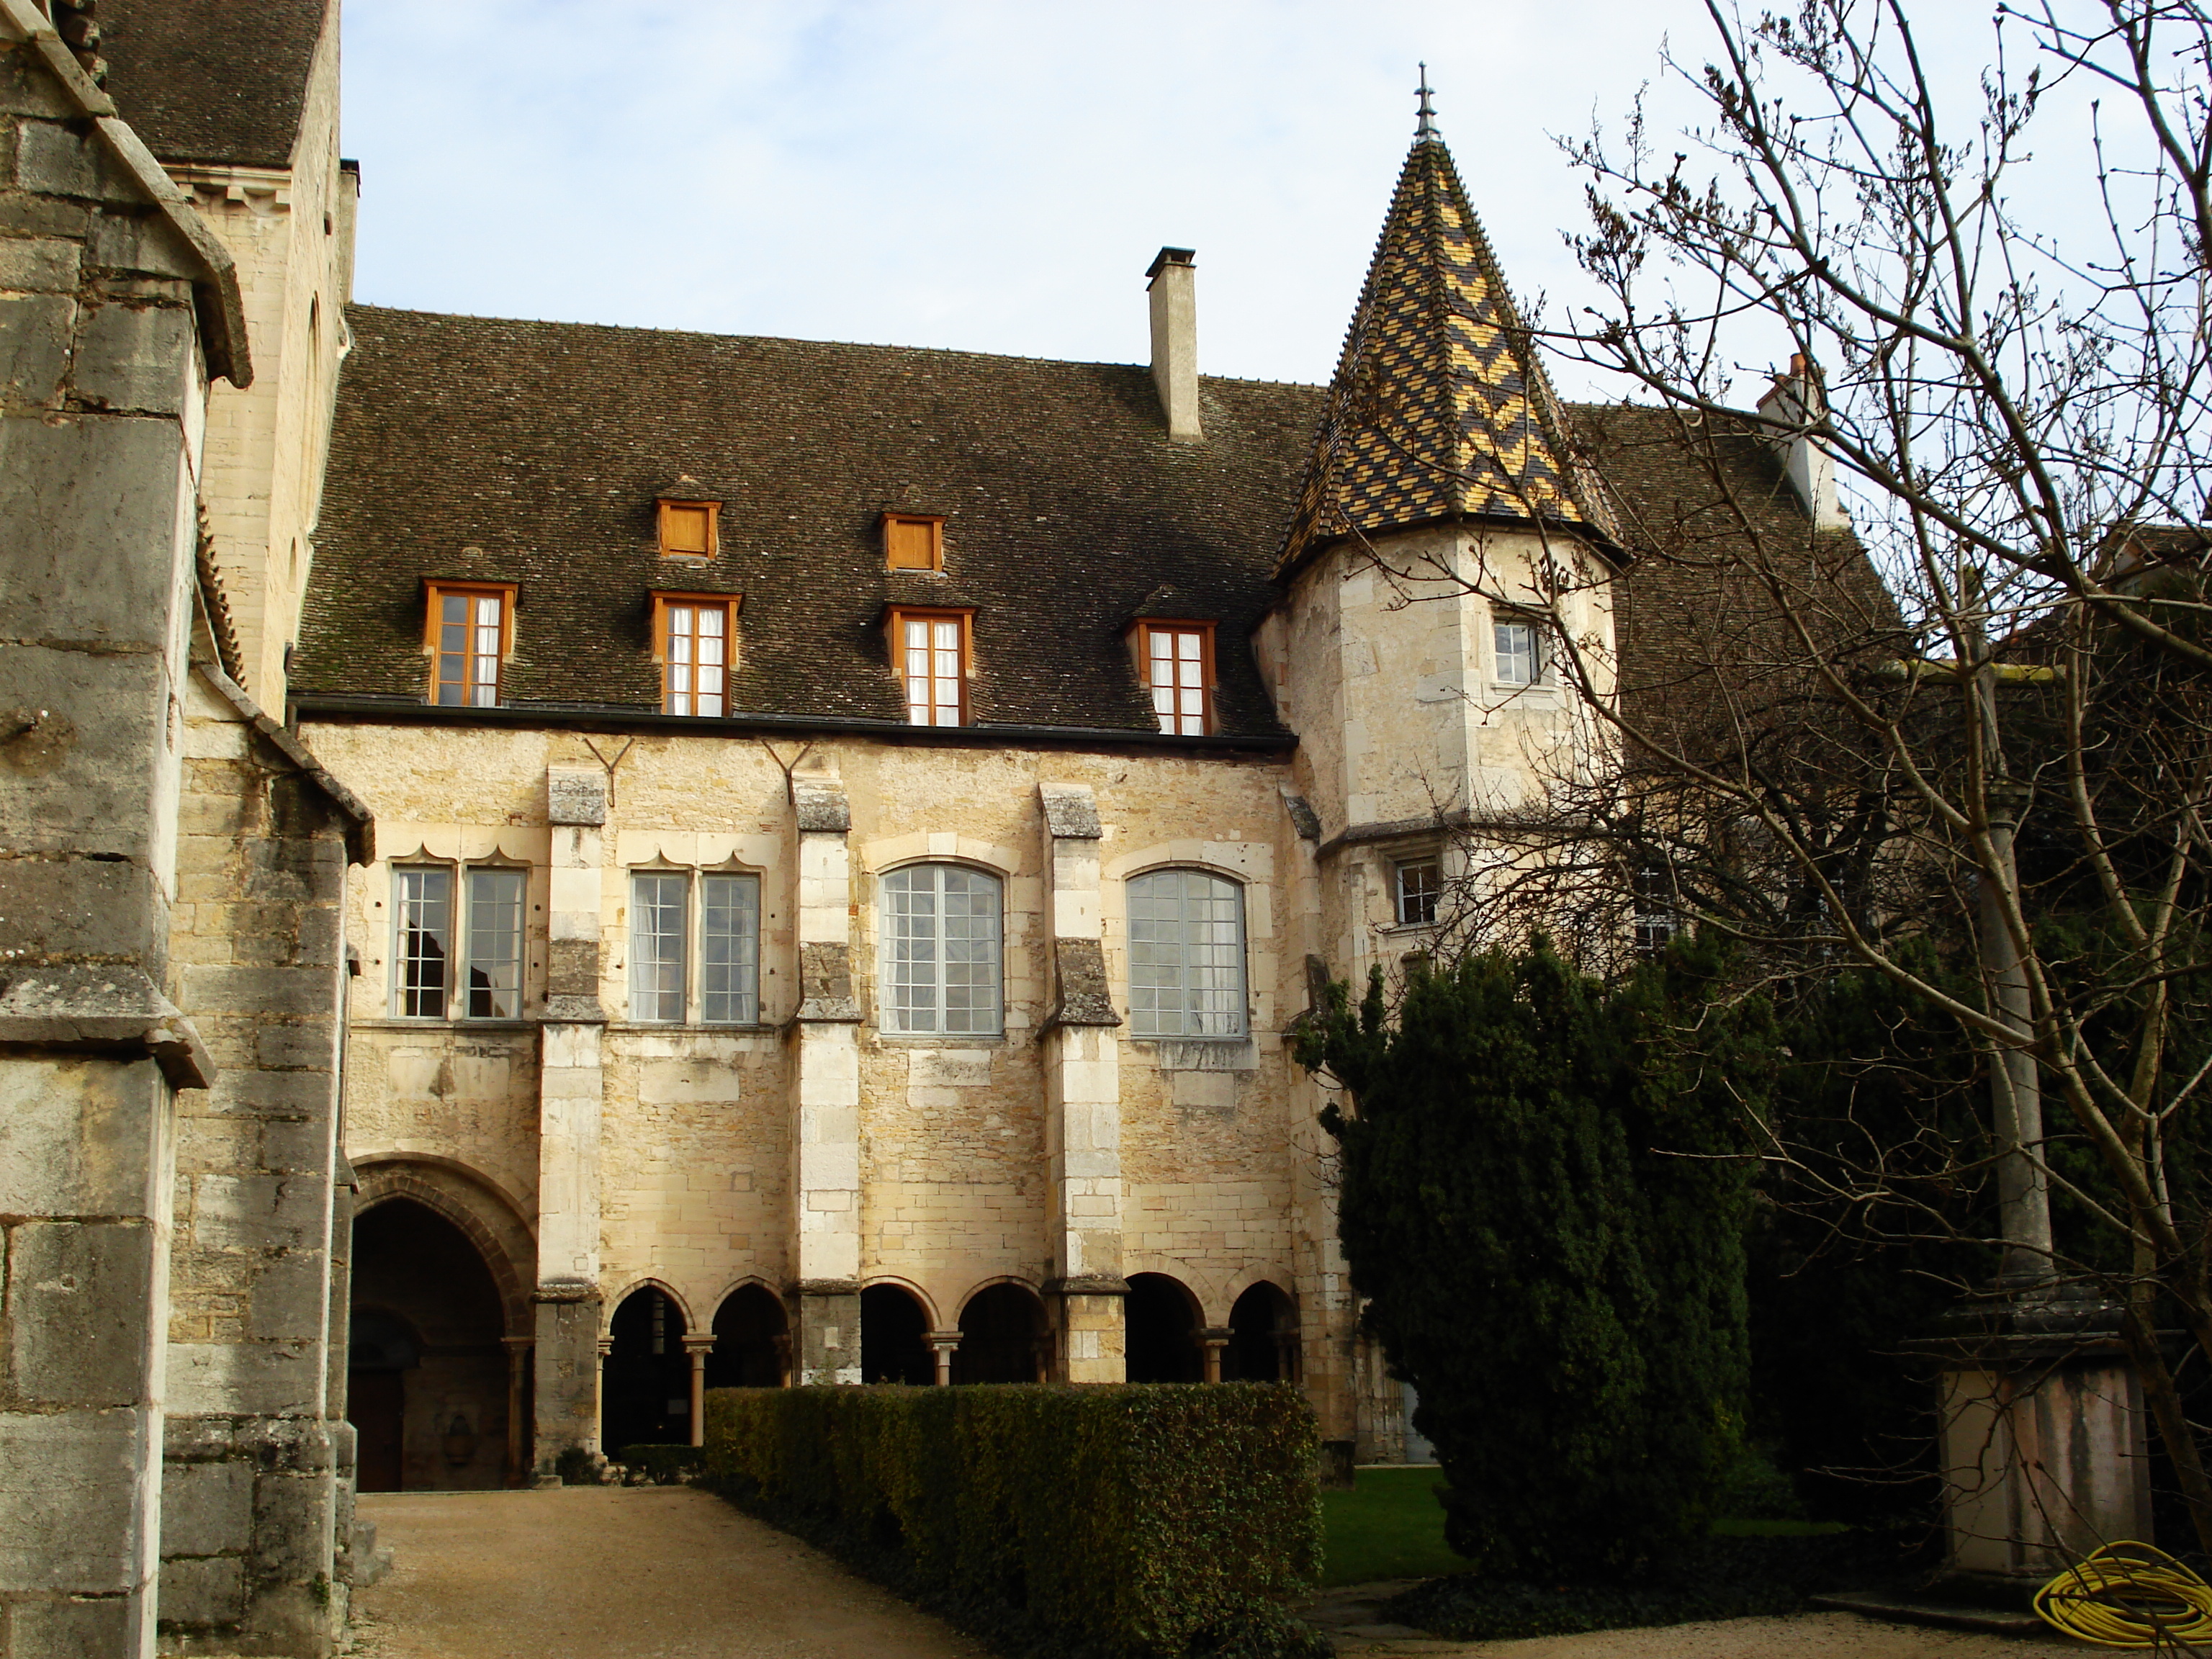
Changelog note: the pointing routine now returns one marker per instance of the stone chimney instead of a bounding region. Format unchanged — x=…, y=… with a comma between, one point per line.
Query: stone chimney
x=1796, y=409
x=1175, y=340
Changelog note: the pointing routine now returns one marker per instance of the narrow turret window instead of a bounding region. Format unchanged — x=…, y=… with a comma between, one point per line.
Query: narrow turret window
x=1520, y=652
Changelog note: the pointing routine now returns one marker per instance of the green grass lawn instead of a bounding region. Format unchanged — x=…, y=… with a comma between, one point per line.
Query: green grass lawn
x=1390, y=1526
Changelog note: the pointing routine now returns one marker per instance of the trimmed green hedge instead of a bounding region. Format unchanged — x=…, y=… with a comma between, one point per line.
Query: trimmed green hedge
x=1146, y=1521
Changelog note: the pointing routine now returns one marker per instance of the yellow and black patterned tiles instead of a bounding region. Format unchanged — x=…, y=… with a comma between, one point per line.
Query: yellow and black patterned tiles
x=1438, y=409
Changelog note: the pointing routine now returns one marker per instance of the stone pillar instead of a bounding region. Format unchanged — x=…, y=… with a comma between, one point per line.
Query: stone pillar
x=944, y=1345
x=571, y=1092
x=698, y=1347
x=2044, y=1436
x=518, y=1432
x=1083, y=1099
x=826, y=1140
x=1213, y=1341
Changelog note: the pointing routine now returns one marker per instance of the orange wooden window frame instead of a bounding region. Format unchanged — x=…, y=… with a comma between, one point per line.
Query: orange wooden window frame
x=894, y=631
x=1207, y=677
x=732, y=603
x=932, y=523
x=434, y=593
x=713, y=511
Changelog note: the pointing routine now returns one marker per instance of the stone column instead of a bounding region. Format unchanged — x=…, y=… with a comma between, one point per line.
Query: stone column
x=944, y=1345
x=1213, y=1341
x=1083, y=1099
x=571, y=1092
x=826, y=1139
x=698, y=1347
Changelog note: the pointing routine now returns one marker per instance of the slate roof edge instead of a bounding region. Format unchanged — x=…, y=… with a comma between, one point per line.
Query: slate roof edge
x=308, y=705
x=1589, y=534
x=361, y=821
x=222, y=308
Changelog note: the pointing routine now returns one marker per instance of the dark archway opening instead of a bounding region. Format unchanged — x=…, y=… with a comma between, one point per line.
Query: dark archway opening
x=1161, y=1331
x=426, y=1372
x=646, y=1395
x=1002, y=1337
x=753, y=1341
x=1262, y=1337
x=894, y=1329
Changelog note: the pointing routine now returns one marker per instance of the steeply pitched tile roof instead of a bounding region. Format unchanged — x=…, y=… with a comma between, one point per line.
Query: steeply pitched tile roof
x=220, y=82
x=1439, y=408
x=532, y=453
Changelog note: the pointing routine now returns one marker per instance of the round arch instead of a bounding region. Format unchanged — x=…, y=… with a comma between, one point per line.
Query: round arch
x=486, y=1217
x=752, y=1338
x=1005, y=1334
x=645, y=1395
x=896, y=1320
x=1263, y=1335
x=1162, y=1319
x=648, y=1282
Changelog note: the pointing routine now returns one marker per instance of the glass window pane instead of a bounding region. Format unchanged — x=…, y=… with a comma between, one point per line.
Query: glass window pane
x=658, y=902
x=495, y=944
x=1419, y=885
x=729, y=949
x=422, y=917
x=941, y=970
x=1186, y=955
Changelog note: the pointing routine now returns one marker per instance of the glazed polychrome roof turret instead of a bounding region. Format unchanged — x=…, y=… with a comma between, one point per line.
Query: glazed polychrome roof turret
x=1439, y=409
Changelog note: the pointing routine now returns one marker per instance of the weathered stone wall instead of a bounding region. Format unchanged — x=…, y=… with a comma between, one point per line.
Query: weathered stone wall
x=290, y=232
x=254, y=1442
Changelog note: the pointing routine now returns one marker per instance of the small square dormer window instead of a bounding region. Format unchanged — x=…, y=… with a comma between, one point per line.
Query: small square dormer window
x=1519, y=644
x=690, y=530
x=1175, y=660
x=914, y=541
x=695, y=641
x=468, y=632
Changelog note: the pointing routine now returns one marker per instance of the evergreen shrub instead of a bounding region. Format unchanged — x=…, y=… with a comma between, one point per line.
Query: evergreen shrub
x=1143, y=1522
x=662, y=1465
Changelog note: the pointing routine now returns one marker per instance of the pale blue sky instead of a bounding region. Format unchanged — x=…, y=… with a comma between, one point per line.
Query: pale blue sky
x=972, y=173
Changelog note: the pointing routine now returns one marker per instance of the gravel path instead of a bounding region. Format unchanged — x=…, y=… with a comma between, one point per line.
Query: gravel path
x=608, y=1572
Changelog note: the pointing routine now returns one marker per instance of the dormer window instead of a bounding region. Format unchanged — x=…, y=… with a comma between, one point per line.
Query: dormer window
x=930, y=652
x=689, y=529
x=468, y=631
x=693, y=640
x=914, y=541
x=1176, y=662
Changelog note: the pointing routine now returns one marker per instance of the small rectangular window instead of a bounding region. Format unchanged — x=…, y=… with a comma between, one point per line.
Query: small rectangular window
x=1656, y=919
x=1520, y=653
x=729, y=950
x=1178, y=664
x=469, y=630
x=423, y=919
x=657, y=907
x=694, y=634
x=914, y=541
x=688, y=529
x=1420, y=884
x=930, y=653
x=495, y=944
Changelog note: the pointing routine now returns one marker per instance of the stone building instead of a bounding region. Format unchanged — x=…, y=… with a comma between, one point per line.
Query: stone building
x=549, y=867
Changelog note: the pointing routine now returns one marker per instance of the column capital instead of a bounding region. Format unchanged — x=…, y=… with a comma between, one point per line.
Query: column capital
x=518, y=1344
x=1214, y=1336
x=944, y=1342
x=606, y=1346
x=698, y=1346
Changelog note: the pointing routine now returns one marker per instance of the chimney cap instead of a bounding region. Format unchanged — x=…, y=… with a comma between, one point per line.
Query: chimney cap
x=1170, y=256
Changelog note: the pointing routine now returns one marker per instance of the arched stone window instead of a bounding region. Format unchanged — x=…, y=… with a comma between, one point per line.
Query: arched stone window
x=1186, y=955
x=940, y=958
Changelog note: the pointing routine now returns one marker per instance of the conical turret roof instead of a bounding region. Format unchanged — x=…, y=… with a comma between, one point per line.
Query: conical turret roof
x=1439, y=409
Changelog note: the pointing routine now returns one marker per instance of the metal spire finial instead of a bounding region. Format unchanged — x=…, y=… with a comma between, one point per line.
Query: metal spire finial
x=1427, y=128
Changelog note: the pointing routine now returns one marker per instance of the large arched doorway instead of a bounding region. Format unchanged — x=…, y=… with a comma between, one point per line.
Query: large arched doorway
x=1262, y=1337
x=753, y=1341
x=427, y=1373
x=1002, y=1337
x=644, y=1394
x=895, y=1337
x=1161, y=1331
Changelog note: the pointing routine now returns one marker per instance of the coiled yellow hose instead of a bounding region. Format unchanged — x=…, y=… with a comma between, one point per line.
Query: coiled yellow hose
x=2129, y=1596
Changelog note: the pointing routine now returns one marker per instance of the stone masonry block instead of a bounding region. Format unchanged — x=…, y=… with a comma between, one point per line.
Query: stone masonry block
x=75, y=909
x=53, y=161
x=39, y=265
x=135, y=357
x=75, y=1627
x=28, y=87
x=144, y=242
x=68, y=1486
x=575, y=796
x=207, y=1509
x=85, y=494
x=311, y=1046
x=202, y=1594
x=80, y=1297
x=34, y=339
x=78, y=1136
